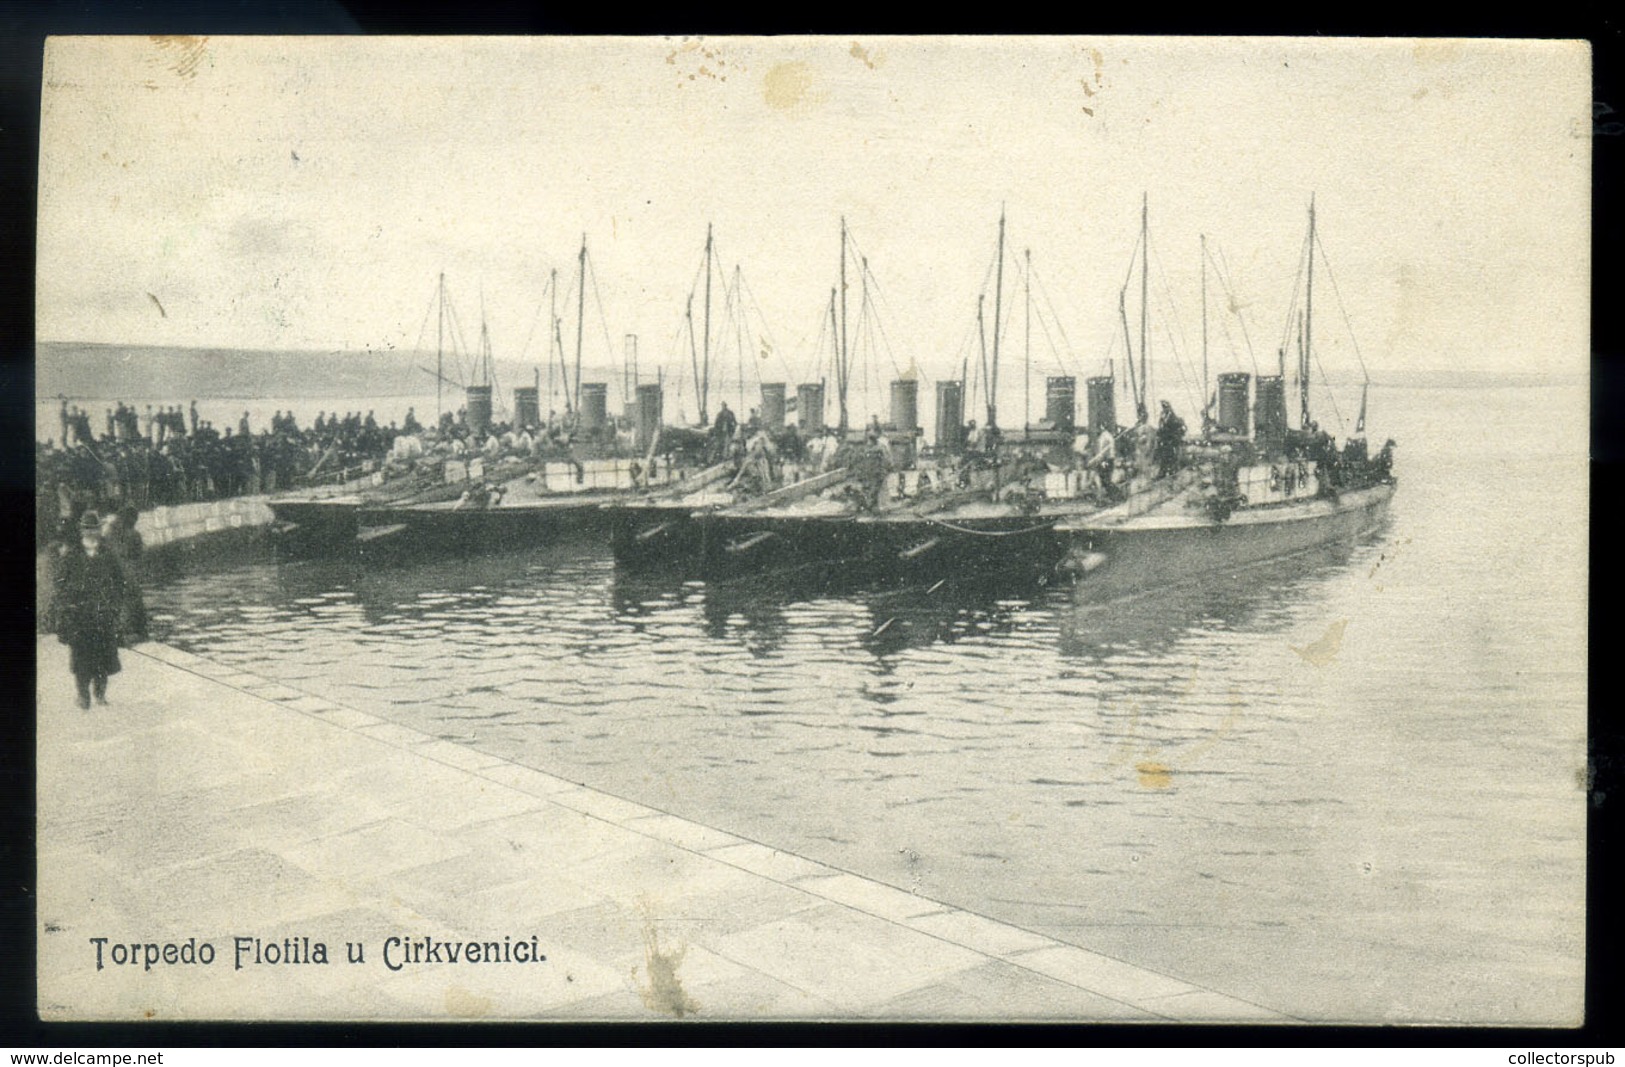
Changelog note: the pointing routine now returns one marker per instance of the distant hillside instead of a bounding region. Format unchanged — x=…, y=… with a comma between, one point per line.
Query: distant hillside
x=109, y=372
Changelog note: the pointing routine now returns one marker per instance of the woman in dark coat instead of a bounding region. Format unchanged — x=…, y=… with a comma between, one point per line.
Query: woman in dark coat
x=90, y=594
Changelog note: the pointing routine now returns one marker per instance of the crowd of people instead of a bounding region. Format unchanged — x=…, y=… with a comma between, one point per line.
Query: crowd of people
x=169, y=455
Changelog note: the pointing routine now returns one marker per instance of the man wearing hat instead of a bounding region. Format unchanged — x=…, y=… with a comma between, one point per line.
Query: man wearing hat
x=90, y=593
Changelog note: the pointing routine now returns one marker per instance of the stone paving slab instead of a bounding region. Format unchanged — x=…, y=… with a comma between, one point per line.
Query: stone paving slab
x=208, y=806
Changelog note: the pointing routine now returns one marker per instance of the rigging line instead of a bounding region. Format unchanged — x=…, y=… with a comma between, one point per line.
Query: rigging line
x=741, y=325
x=523, y=352
x=427, y=312
x=876, y=341
x=458, y=345
x=871, y=366
x=1233, y=305
x=1290, y=329
x=1141, y=400
x=1172, y=306
x=682, y=370
x=877, y=323
x=488, y=359
x=801, y=349
x=863, y=350
x=603, y=321
x=417, y=346
x=1326, y=388
x=694, y=289
x=1183, y=365
x=767, y=329
x=1111, y=350
x=1344, y=309
x=875, y=290
x=979, y=360
x=877, y=294
x=742, y=334
x=1180, y=364
x=818, y=345
x=725, y=322
x=1043, y=324
x=1071, y=353
x=1230, y=342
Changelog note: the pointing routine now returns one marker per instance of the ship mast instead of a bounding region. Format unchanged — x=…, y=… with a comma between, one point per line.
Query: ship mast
x=835, y=339
x=864, y=310
x=705, y=382
x=693, y=352
x=1027, y=349
x=439, y=347
x=581, y=315
x=998, y=297
x=1308, y=320
x=1205, y=402
x=556, y=343
x=1128, y=340
x=564, y=369
x=1145, y=309
x=841, y=365
x=739, y=332
x=552, y=315
x=981, y=332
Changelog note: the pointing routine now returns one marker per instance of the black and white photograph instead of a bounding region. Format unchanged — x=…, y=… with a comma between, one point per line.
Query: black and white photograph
x=813, y=528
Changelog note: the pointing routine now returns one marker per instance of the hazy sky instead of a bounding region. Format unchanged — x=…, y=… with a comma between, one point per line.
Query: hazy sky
x=305, y=193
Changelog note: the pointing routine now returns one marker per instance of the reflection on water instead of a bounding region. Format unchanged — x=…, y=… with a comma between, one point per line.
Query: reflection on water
x=1341, y=785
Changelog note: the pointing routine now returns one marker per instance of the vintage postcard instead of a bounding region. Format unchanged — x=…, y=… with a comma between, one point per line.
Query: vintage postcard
x=839, y=528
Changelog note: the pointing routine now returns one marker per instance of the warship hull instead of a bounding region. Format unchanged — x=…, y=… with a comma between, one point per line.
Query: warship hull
x=1110, y=559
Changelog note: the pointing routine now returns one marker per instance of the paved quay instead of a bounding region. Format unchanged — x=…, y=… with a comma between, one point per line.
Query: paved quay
x=210, y=807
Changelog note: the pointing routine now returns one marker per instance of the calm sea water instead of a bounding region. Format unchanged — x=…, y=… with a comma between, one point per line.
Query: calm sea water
x=1394, y=833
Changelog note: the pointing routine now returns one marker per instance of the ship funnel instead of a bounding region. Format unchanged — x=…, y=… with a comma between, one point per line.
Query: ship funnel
x=1102, y=405
x=810, y=407
x=1233, y=403
x=594, y=406
x=527, y=407
x=905, y=405
x=950, y=416
x=650, y=402
x=1269, y=414
x=1061, y=403
x=478, y=405
x=773, y=406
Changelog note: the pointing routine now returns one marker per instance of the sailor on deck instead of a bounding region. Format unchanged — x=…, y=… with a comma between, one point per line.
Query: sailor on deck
x=1170, y=437
x=722, y=431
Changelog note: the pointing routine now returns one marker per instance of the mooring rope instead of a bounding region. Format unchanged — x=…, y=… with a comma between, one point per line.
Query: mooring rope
x=992, y=533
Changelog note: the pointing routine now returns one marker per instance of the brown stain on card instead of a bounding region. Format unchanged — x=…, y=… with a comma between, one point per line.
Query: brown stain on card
x=660, y=988
x=1154, y=775
x=872, y=60
x=698, y=60
x=1323, y=651
x=182, y=53
x=1095, y=81
x=788, y=86
x=466, y=1005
